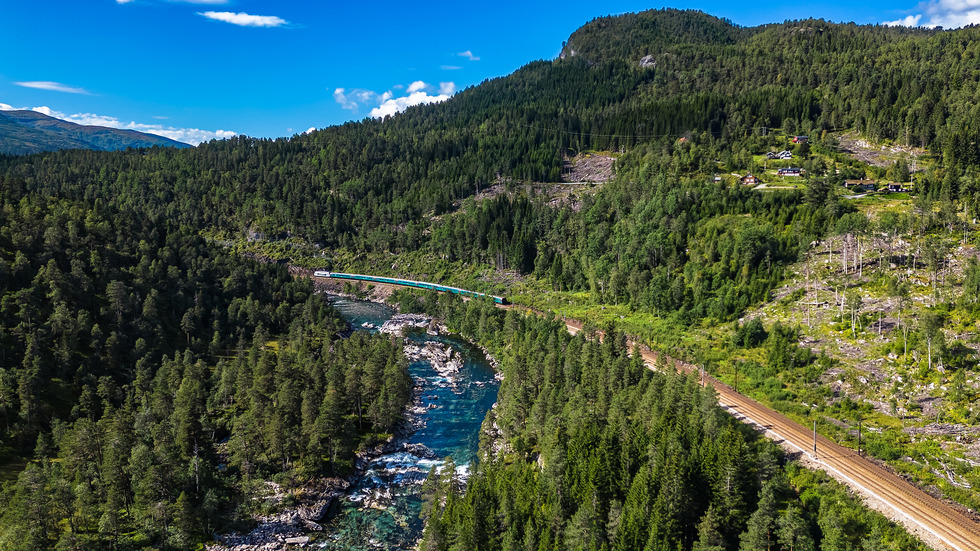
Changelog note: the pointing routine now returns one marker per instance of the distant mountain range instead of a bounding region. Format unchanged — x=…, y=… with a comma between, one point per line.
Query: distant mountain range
x=23, y=132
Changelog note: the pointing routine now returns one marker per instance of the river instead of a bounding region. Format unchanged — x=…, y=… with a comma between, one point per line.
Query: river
x=381, y=510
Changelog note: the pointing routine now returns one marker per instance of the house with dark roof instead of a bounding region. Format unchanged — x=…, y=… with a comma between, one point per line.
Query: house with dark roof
x=865, y=185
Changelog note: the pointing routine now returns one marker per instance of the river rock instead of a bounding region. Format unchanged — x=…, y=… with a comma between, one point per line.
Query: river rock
x=286, y=529
x=399, y=323
x=419, y=450
x=444, y=358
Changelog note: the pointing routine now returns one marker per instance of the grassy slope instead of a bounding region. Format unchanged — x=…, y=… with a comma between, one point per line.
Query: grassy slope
x=911, y=411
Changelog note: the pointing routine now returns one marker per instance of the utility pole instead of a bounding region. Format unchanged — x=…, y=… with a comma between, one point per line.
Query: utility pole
x=859, y=435
x=912, y=172
x=807, y=295
x=814, y=438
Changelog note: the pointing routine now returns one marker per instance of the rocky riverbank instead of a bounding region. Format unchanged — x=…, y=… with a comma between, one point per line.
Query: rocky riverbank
x=380, y=502
x=406, y=463
x=292, y=527
x=289, y=528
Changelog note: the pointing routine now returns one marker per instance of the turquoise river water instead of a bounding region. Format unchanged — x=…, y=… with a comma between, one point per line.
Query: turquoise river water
x=381, y=510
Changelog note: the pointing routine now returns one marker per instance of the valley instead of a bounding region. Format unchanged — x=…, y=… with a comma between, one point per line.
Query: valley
x=790, y=209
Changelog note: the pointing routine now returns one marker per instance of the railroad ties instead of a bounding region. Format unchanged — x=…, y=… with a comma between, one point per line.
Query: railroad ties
x=916, y=510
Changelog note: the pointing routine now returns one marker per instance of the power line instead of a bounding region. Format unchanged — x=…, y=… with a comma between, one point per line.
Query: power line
x=764, y=130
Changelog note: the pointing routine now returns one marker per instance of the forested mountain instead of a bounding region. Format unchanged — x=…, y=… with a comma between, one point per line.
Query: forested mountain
x=138, y=367
x=351, y=186
x=24, y=132
x=151, y=376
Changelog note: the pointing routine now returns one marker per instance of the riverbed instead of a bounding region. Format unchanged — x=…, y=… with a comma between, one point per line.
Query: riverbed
x=381, y=510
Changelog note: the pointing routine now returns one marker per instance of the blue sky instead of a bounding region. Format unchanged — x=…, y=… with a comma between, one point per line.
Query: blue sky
x=197, y=69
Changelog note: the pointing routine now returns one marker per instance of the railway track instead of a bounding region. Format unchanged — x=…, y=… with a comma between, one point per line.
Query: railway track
x=939, y=525
x=936, y=522
x=918, y=511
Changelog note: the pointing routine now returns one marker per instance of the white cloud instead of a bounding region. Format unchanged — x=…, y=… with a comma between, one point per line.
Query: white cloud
x=948, y=14
x=123, y=1
x=245, y=20
x=357, y=97
x=417, y=93
x=310, y=130
x=468, y=55
x=45, y=110
x=340, y=97
x=908, y=21
x=450, y=67
x=397, y=105
x=53, y=86
x=193, y=136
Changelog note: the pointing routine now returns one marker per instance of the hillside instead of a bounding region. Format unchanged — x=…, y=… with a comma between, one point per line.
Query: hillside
x=23, y=132
x=521, y=127
x=125, y=280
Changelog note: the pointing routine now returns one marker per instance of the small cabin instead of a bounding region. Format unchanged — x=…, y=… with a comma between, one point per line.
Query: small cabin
x=865, y=185
x=782, y=155
x=789, y=172
x=801, y=139
x=898, y=188
x=750, y=179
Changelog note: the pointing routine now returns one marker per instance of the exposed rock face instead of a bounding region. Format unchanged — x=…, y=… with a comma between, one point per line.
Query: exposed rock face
x=648, y=62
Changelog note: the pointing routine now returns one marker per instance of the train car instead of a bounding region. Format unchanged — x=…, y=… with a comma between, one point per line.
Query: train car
x=409, y=283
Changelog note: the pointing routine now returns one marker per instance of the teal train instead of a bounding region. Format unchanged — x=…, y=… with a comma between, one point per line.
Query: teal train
x=408, y=283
